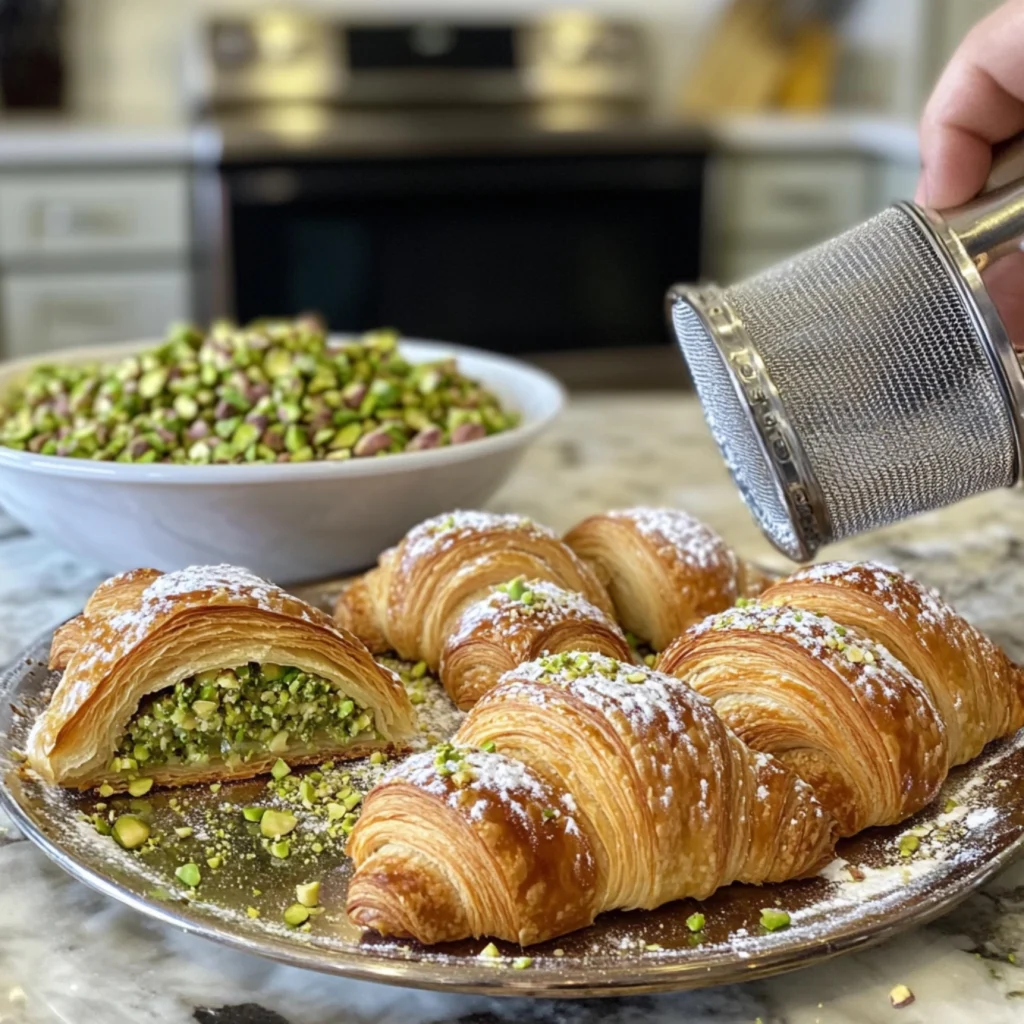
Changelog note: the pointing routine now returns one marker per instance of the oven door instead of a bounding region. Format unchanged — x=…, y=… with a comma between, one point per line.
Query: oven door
x=517, y=255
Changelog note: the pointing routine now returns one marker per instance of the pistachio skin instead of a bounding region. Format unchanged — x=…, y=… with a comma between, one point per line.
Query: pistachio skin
x=272, y=391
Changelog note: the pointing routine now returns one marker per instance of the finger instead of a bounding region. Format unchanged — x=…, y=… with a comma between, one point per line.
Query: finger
x=978, y=102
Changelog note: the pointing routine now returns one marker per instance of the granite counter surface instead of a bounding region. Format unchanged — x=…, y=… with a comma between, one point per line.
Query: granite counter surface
x=71, y=956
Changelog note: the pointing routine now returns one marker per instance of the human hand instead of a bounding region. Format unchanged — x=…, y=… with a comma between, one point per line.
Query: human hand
x=978, y=103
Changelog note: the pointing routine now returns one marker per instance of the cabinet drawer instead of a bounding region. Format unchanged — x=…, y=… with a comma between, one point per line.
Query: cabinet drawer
x=100, y=213
x=46, y=312
x=808, y=197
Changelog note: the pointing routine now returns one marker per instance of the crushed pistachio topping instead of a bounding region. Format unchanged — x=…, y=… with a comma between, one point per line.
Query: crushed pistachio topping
x=273, y=391
x=230, y=716
x=489, y=952
x=901, y=996
x=909, y=845
x=774, y=920
x=695, y=922
x=188, y=874
x=521, y=963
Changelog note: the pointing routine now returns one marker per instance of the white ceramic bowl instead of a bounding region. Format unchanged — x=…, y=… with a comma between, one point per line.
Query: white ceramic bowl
x=291, y=523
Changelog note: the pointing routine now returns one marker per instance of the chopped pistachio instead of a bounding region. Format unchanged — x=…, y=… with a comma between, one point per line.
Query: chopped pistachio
x=253, y=813
x=521, y=963
x=489, y=747
x=130, y=831
x=106, y=790
x=908, y=845
x=695, y=922
x=183, y=832
x=280, y=769
x=296, y=914
x=378, y=757
x=252, y=912
x=774, y=920
x=281, y=849
x=188, y=874
x=901, y=996
x=275, y=824
x=489, y=952
x=308, y=894
x=140, y=787
x=214, y=862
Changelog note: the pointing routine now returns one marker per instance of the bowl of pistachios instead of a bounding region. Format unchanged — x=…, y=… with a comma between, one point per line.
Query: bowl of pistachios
x=276, y=445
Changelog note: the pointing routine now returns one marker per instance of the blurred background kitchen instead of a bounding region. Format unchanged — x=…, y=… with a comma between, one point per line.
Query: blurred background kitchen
x=501, y=173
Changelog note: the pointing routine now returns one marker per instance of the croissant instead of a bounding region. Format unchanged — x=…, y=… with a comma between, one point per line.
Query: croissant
x=205, y=674
x=579, y=785
x=979, y=692
x=829, y=703
x=664, y=570
x=410, y=602
x=516, y=622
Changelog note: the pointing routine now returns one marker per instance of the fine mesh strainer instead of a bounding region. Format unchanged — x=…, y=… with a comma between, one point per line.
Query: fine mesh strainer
x=870, y=378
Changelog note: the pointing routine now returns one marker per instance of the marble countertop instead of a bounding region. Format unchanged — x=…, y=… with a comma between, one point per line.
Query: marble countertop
x=72, y=142
x=71, y=956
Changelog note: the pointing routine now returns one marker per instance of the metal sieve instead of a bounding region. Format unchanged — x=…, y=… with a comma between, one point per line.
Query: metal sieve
x=868, y=379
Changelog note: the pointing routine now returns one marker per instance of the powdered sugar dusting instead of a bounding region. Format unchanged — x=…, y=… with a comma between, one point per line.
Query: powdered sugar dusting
x=549, y=606
x=680, y=535
x=441, y=532
x=926, y=607
x=863, y=659
x=644, y=697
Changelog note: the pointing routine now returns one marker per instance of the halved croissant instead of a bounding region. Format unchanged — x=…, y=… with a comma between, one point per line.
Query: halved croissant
x=977, y=689
x=829, y=703
x=157, y=674
x=664, y=569
x=515, y=623
x=410, y=602
x=629, y=775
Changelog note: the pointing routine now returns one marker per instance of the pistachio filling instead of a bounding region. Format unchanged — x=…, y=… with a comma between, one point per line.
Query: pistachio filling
x=230, y=716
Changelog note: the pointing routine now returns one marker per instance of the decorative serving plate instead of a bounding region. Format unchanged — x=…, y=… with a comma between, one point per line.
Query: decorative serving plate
x=884, y=880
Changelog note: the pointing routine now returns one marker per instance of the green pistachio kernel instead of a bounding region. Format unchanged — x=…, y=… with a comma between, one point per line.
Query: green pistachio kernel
x=130, y=831
x=774, y=920
x=489, y=952
x=296, y=914
x=183, y=831
x=281, y=849
x=280, y=769
x=140, y=787
x=909, y=845
x=521, y=963
x=274, y=824
x=308, y=894
x=188, y=874
x=695, y=922
x=253, y=813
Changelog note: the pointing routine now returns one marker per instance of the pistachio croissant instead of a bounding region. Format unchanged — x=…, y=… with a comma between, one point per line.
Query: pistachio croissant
x=580, y=784
x=664, y=569
x=871, y=701
x=205, y=674
x=517, y=622
x=411, y=601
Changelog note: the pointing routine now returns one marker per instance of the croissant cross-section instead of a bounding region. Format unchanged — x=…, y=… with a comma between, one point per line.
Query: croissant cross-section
x=205, y=674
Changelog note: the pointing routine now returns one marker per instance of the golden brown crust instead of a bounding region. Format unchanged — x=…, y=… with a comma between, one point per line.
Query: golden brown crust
x=442, y=856
x=664, y=570
x=511, y=626
x=419, y=588
x=975, y=686
x=635, y=766
x=144, y=631
x=829, y=703
x=356, y=610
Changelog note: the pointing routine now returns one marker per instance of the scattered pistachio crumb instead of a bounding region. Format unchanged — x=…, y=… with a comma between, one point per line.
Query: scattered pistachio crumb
x=652, y=947
x=188, y=874
x=252, y=912
x=558, y=952
x=695, y=922
x=280, y=769
x=521, y=963
x=215, y=787
x=774, y=920
x=296, y=914
x=183, y=832
x=909, y=845
x=901, y=996
x=489, y=952
x=308, y=894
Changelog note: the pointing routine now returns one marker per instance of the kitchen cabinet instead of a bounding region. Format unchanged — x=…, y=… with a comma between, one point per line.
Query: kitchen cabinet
x=763, y=208
x=43, y=312
x=92, y=256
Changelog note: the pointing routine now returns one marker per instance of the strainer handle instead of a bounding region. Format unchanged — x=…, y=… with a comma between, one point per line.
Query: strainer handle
x=992, y=225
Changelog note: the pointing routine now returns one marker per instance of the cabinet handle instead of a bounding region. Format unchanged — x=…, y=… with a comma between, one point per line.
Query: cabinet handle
x=63, y=220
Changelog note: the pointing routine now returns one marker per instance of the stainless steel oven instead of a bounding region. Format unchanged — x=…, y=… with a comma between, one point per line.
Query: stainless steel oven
x=487, y=185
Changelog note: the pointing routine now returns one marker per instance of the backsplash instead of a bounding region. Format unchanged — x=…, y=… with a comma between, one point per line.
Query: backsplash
x=126, y=55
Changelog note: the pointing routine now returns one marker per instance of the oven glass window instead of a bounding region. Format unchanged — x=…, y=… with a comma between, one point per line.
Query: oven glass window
x=546, y=260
